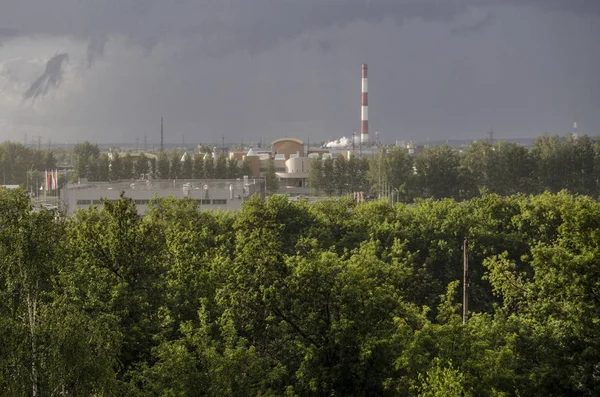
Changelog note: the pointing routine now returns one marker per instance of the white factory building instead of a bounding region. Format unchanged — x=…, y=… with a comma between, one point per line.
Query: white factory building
x=213, y=194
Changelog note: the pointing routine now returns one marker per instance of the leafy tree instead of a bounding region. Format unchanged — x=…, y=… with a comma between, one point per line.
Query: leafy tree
x=115, y=273
x=392, y=171
x=103, y=168
x=153, y=170
x=442, y=381
x=233, y=169
x=142, y=165
x=198, y=167
x=221, y=170
x=48, y=346
x=116, y=167
x=340, y=175
x=84, y=153
x=209, y=167
x=553, y=161
x=315, y=176
x=163, y=166
x=128, y=166
x=49, y=160
x=438, y=173
x=187, y=167
x=245, y=169
x=175, y=168
x=271, y=177
x=328, y=175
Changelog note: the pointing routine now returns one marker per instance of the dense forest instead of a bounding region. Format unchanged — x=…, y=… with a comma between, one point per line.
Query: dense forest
x=332, y=298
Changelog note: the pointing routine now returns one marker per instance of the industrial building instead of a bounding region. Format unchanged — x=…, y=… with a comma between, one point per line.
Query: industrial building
x=215, y=194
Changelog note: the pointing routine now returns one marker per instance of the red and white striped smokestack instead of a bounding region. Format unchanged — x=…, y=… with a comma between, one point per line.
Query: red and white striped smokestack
x=364, y=127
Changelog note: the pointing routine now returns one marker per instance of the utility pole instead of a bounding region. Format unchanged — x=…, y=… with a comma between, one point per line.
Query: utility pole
x=491, y=134
x=465, y=282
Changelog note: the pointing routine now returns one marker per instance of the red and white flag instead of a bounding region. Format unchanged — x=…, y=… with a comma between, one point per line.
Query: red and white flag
x=54, y=179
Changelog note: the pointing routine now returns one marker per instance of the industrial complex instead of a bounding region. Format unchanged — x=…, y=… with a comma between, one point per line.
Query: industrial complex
x=293, y=159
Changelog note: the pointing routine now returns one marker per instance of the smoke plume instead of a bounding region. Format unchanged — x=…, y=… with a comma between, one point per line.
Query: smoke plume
x=51, y=78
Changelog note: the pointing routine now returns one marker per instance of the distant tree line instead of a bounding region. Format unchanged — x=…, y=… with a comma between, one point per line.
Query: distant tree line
x=19, y=164
x=552, y=164
x=332, y=298
x=90, y=163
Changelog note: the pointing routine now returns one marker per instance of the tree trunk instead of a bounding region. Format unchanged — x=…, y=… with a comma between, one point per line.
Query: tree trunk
x=31, y=310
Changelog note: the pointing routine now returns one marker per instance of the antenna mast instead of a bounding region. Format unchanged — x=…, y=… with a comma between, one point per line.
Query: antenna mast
x=162, y=143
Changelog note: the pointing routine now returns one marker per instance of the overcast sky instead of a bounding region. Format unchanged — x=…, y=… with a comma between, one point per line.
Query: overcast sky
x=107, y=70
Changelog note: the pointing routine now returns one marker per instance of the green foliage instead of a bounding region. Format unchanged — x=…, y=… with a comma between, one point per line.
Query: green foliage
x=271, y=178
x=221, y=170
x=86, y=154
x=442, y=381
x=198, y=172
x=19, y=163
x=175, y=168
x=209, y=167
x=163, y=166
x=233, y=169
x=328, y=175
x=316, y=299
x=187, y=167
x=142, y=166
x=245, y=169
x=315, y=176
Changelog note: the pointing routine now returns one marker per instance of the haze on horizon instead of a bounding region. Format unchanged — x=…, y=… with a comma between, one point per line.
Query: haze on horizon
x=107, y=70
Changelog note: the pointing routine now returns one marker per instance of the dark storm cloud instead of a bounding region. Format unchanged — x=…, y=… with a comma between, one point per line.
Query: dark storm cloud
x=222, y=26
x=253, y=25
x=49, y=79
x=265, y=68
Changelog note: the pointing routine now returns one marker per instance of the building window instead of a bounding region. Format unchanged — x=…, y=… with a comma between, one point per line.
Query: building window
x=205, y=201
x=84, y=202
x=141, y=202
x=219, y=201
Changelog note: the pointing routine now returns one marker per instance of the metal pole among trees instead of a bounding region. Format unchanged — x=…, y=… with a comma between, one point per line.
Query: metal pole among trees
x=465, y=282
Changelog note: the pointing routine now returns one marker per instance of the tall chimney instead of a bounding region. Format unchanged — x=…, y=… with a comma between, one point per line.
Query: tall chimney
x=364, y=127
